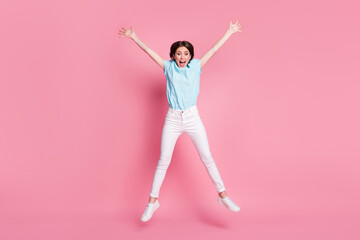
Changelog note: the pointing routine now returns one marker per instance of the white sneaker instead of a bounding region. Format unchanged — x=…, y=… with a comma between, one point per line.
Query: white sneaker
x=149, y=210
x=227, y=202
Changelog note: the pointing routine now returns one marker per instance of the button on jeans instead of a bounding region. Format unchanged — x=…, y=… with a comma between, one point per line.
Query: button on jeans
x=184, y=121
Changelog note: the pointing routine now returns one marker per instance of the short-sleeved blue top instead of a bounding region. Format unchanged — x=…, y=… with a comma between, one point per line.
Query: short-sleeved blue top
x=182, y=84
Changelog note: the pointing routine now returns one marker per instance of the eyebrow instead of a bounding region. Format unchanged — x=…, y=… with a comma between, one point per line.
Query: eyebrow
x=180, y=52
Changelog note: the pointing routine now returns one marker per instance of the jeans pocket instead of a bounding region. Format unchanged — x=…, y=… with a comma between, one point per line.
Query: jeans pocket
x=169, y=114
x=195, y=114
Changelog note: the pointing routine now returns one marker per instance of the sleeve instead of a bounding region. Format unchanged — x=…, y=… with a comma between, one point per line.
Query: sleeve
x=166, y=66
x=198, y=64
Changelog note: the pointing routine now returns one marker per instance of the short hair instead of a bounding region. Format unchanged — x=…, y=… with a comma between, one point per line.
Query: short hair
x=178, y=44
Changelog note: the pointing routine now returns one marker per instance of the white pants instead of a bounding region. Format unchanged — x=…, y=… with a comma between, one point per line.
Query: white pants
x=177, y=122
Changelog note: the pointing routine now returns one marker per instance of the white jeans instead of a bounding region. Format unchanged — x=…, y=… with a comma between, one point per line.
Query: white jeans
x=184, y=121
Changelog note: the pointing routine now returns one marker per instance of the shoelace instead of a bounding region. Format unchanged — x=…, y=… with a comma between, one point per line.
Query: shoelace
x=147, y=209
x=228, y=201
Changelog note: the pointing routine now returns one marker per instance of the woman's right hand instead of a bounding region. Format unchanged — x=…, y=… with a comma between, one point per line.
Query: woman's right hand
x=123, y=32
x=130, y=33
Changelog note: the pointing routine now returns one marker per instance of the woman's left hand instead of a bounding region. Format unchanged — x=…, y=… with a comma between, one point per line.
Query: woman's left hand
x=233, y=28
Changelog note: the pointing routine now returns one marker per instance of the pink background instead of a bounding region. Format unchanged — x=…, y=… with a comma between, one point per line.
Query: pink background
x=81, y=114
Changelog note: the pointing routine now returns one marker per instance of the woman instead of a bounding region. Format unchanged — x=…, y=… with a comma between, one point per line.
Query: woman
x=183, y=80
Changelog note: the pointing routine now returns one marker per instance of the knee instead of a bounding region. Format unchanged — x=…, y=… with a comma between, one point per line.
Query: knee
x=164, y=161
x=207, y=159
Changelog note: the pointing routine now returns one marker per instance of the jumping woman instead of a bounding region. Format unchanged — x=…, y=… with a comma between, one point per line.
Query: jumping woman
x=182, y=73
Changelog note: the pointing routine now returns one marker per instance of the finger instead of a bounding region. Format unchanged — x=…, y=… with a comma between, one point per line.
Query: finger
x=237, y=21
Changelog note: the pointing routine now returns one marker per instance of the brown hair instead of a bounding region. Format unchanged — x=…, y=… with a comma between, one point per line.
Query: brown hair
x=178, y=44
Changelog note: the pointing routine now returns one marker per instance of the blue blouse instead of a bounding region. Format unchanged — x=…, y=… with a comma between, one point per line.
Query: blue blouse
x=182, y=84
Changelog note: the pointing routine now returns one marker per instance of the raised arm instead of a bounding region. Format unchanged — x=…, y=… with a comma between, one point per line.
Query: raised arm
x=130, y=33
x=233, y=28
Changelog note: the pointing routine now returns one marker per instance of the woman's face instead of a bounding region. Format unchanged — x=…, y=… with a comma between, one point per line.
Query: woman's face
x=182, y=56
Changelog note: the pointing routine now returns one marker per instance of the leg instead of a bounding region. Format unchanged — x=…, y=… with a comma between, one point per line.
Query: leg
x=171, y=132
x=197, y=133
